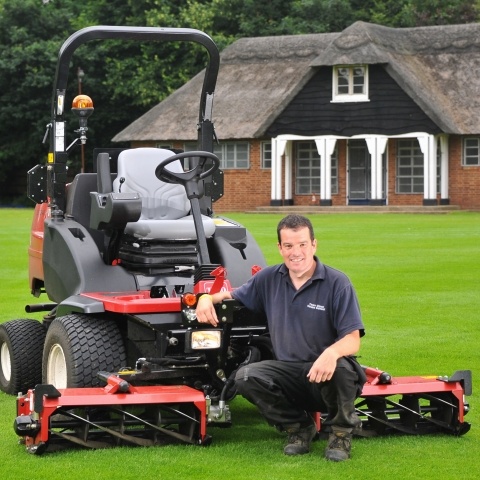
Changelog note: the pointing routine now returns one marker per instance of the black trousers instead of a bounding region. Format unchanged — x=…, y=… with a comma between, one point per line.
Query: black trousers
x=285, y=396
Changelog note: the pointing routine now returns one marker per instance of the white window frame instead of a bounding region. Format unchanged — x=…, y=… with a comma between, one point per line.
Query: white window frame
x=310, y=162
x=266, y=160
x=228, y=153
x=471, y=152
x=167, y=146
x=410, y=169
x=351, y=96
x=225, y=150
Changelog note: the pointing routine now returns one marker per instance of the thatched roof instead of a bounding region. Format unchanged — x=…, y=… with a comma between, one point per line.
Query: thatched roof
x=438, y=67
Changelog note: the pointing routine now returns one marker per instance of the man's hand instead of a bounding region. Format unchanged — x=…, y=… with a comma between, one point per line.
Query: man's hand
x=324, y=367
x=206, y=311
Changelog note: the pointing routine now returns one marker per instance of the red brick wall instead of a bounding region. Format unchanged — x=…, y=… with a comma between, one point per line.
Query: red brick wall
x=246, y=189
x=464, y=188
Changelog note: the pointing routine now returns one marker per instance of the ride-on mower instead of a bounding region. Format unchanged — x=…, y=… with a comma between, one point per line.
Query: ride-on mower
x=123, y=255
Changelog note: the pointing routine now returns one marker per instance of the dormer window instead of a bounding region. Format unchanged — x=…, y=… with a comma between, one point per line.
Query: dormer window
x=350, y=83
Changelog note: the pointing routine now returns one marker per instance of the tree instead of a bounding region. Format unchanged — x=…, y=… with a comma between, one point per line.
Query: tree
x=125, y=79
x=441, y=12
x=250, y=18
x=29, y=42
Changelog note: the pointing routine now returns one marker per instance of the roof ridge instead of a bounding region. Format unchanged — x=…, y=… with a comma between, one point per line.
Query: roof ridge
x=282, y=47
x=414, y=40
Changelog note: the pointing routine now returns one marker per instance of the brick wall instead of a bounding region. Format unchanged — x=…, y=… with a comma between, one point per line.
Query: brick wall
x=246, y=189
x=464, y=189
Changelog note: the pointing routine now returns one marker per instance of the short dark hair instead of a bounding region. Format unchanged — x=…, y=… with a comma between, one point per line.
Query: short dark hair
x=294, y=222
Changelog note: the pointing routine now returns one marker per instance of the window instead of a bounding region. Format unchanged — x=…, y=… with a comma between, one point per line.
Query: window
x=471, y=152
x=409, y=167
x=350, y=83
x=266, y=154
x=307, y=174
x=231, y=154
x=410, y=178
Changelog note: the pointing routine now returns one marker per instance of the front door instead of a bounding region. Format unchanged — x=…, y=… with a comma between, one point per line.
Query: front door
x=360, y=175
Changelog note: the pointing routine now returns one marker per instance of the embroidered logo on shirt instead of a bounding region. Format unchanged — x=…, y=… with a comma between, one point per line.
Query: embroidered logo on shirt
x=316, y=307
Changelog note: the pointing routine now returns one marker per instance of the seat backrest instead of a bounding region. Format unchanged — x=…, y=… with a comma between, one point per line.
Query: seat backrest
x=136, y=173
x=79, y=203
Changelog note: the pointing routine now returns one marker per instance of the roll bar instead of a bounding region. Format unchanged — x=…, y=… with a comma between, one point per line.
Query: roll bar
x=57, y=157
x=141, y=34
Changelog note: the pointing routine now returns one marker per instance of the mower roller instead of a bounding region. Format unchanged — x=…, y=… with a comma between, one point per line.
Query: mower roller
x=121, y=414
x=123, y=254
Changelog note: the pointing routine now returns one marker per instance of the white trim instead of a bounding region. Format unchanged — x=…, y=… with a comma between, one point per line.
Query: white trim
x=444, y=181
x=262, y=154
x=279, y=144
x=288, y=136
x=357, y=98
x=476, y=157
x=288, y=171
x=428, y=146
x=376, y=147
x=273, y=172
x=325, y=148
x=349, y=97
x=278, y=148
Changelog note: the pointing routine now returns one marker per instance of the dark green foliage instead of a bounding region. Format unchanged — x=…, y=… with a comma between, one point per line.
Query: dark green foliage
x=29, y=42
x=126, y=79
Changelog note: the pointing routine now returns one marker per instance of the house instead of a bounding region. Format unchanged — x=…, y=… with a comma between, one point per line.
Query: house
x=369, y=116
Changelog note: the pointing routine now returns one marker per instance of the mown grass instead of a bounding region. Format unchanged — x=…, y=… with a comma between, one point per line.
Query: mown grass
x=417, y=278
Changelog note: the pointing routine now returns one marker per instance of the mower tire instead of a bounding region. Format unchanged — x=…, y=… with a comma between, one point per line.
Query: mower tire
x=21, y=346
x=77, y=347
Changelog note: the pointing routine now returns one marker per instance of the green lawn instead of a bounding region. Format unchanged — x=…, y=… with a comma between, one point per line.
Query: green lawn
x=417, y=278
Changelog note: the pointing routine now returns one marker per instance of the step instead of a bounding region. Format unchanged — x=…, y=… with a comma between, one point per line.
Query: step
x=436, y=209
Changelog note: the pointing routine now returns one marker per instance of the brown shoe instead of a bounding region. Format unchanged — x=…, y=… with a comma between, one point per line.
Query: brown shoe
x=299, y=439
x=339, y=446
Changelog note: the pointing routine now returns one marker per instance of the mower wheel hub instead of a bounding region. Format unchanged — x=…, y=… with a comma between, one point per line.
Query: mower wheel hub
x=57, y=367
x=6, y=362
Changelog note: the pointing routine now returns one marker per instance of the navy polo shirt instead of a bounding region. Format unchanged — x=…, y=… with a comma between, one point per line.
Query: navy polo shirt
x=304, y=322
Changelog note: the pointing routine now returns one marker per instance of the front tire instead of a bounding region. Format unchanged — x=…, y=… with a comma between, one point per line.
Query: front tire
x=77, y=347
x=21, y=345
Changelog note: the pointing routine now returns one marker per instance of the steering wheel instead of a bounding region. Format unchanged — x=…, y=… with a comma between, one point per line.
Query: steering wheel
x=189, y=179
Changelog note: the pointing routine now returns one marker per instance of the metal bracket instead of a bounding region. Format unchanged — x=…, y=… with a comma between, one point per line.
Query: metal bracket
x=462, y=376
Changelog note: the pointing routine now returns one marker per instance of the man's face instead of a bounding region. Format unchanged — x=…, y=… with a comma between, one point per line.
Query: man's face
x=297, y=249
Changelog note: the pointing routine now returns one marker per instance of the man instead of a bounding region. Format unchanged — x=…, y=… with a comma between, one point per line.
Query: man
x=315, y=325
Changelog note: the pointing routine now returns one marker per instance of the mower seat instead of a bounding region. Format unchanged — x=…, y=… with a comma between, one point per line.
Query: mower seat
x=79, y=202
x=165, y=206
